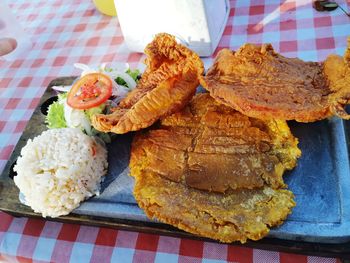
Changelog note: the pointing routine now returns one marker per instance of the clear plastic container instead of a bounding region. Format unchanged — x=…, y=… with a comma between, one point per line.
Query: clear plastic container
x=198, y=24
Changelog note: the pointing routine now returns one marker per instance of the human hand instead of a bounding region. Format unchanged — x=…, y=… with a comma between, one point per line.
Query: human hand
x=7, y=45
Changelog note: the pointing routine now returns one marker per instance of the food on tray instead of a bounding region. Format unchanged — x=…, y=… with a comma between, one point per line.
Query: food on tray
x=207, y=148
x=212, y=147
x=213, y=165
x=167, y=85
x=261, y=83
x=235, y=216
x=337, y=70
x=96, y=91
x=59, y=169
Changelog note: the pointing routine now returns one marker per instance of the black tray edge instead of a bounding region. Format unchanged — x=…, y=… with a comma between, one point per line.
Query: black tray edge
x=288, y=246
x=340, y=250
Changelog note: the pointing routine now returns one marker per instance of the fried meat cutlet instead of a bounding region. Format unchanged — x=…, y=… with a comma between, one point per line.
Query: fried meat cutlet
x=337, y=70
x=261, y=83
x=212, y=147
x=167, y=85
x=214, y=172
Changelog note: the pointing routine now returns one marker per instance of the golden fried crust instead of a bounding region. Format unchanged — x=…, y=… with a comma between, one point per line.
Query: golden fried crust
x=167, y=85
x=235, y=216
x=337, y=70
x=212, y=147
x=214, y=172
x=260, y=83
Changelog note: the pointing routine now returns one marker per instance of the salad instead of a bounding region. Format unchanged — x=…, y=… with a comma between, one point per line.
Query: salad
x=96, y=91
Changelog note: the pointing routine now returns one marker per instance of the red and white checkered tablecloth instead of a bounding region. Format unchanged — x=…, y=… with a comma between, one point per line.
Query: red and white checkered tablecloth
x=65, y=32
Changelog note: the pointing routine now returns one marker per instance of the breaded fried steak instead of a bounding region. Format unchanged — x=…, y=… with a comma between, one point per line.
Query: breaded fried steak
x=212, y=147
x=212, y=171
x=261, y=83
x=167, y=85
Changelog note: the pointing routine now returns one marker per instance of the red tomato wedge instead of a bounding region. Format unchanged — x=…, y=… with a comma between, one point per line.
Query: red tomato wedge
x=90, y=91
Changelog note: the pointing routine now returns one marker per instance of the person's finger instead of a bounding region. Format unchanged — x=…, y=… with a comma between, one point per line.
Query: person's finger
x=7, y=45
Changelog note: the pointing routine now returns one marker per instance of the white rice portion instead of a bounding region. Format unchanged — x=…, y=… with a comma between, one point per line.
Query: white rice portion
x=59, y=169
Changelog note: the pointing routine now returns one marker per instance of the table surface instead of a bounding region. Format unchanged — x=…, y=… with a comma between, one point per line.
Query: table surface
x=65, y=32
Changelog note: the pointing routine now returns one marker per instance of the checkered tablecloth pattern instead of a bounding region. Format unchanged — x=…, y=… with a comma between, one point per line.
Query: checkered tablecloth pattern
x=64, y=32
x=23, y=240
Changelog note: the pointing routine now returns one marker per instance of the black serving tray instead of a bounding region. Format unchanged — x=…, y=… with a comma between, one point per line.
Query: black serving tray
x=319, y=224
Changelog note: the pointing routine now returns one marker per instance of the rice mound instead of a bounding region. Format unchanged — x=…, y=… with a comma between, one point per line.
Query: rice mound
x=59, y=169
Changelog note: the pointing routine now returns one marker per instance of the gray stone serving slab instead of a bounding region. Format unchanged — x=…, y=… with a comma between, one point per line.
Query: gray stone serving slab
x=320, y=182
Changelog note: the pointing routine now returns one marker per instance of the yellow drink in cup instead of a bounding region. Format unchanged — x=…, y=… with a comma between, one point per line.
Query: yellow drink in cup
x=106, y=7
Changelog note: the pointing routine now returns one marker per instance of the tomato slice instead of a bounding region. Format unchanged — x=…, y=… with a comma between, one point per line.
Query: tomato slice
x=90, y=91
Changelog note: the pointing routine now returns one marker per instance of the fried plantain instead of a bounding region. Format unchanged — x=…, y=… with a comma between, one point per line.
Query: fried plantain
x=214, y=172
x=215, y=148
x=235, y=216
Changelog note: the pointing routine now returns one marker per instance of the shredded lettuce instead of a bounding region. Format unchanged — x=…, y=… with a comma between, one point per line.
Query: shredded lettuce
x=62, y=97
x=106, y=137
x=55, y=113
x=55, y=116
x=132, y=73
x=96, y=110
